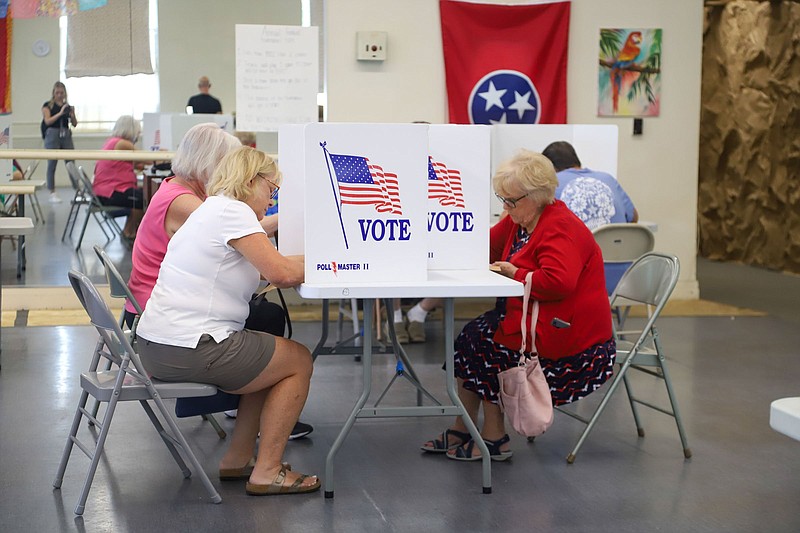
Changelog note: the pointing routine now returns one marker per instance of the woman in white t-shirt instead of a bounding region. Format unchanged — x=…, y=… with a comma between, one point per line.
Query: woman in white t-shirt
x=193, y=326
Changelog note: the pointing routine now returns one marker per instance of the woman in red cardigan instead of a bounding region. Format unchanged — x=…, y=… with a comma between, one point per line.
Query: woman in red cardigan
x=574, y=338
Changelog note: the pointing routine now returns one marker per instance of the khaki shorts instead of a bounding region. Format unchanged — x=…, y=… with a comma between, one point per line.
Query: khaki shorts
x=230, y=364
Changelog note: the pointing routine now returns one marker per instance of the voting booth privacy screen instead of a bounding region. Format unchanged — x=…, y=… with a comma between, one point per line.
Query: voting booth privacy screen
x=596, y=145
x=164, y=131
x=388, y=202
x=364, y=204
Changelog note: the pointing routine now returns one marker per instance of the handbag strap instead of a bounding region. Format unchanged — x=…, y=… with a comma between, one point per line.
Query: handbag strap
x=534, y=316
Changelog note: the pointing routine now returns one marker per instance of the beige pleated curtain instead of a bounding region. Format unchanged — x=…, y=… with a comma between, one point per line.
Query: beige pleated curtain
x=109, y=41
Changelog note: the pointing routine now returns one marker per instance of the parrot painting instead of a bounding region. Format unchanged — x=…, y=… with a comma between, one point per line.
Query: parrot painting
x=626, y=57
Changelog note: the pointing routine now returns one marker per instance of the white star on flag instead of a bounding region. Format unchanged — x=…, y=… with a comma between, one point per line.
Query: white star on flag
x=492, y=96
x=521, y=103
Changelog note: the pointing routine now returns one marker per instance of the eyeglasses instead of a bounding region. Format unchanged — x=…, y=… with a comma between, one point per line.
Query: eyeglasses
x=275, y=189
x=511, y=203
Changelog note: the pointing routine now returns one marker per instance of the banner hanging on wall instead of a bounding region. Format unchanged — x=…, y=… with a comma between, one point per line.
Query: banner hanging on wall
x=505, y=64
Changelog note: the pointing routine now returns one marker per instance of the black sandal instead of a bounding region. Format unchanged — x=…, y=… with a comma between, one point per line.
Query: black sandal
x=464, y=452
x=441, y=445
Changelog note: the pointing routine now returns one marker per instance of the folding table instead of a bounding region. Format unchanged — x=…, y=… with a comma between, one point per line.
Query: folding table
x=446, y=284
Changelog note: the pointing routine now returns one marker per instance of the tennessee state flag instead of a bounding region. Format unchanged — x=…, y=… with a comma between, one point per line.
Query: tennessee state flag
x=505, y=64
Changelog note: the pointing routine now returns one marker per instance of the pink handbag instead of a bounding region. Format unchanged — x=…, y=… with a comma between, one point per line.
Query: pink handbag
x=524, y=392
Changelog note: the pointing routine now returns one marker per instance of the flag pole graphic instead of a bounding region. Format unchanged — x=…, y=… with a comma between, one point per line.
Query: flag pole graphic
x=333, y=189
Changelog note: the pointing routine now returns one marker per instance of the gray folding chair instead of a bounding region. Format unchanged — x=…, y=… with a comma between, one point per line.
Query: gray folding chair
x=128, y=383
x=622, y=244
x=119, y=289
x=78, y=200
x=650, y=280
x=103, y=214
x=35, y=205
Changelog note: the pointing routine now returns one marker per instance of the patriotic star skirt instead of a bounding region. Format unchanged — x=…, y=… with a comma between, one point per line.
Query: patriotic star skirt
x=478, y=360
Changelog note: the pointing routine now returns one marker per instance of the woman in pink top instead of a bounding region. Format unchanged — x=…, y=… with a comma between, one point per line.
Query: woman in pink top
x=115, y=181
x=203, y=146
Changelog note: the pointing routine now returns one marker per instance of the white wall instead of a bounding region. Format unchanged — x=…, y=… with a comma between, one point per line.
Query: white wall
x=658, y=168
x=196, y=38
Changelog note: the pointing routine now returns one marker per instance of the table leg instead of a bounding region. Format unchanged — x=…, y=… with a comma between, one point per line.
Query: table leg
x=323, y=338
x=21, y=239
x=452, y=391
x=362, y=400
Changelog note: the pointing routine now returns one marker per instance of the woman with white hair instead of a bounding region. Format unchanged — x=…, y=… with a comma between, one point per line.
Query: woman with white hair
x=115, y=181
x=193, y=328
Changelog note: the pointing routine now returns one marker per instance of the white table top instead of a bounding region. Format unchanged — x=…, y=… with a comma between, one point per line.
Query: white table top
x=440, y=284
x=16, y=226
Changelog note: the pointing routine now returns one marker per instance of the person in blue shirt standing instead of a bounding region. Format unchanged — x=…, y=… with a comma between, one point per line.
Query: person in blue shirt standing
x=596, y=197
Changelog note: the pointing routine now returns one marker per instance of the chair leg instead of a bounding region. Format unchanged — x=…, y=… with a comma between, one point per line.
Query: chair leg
x=634, y=410
x=687, y=452
x=105, y=426
x=606, y=398
x=181, y=440
x=76, y=420
x=214, y=424
x=83, y=230
x=168, y=441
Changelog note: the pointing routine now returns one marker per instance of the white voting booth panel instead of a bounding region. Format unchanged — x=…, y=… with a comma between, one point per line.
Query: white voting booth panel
x=364, y=198
x=458, y=204
x=164, y=131
x=595, y=144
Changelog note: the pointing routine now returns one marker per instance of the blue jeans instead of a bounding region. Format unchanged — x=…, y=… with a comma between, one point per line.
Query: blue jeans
x=54, y=140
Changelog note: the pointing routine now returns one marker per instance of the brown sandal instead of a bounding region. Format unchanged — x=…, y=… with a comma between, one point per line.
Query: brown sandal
x=243, y=472
x=277, y=486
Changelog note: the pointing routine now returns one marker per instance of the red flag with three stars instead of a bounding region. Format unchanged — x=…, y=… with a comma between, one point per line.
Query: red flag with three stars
x=505, y=64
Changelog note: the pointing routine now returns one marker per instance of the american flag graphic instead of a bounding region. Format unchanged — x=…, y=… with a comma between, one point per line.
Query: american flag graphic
x=156, y=140
x=364, y=183
x=444, y=184
x=4, y=137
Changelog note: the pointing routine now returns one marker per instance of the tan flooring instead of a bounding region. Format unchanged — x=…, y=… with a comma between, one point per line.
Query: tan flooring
x=464, y=311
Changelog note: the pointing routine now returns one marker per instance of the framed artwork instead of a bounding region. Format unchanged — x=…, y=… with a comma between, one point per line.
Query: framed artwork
x=629, y=79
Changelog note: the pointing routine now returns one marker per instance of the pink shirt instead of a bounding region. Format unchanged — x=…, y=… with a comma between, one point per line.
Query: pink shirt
x=110, y=176
x=151, y=242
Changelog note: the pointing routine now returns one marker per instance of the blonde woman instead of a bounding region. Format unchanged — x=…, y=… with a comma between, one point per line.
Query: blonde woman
x=57, y=116
x=193, y=326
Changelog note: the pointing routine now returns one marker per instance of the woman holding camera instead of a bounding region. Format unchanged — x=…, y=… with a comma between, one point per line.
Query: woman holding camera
x=57, y=116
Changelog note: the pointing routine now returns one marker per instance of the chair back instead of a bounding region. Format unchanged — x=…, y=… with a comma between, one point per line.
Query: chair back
x=115, y=340
x=30, y=169
x=74, y=176
x=623, y=243
x=116, y=283
x=650, y=280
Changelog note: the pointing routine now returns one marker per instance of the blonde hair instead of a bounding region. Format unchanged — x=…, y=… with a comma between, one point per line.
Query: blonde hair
x=200, y=150
x=234, y=175
x=56, y=85
x=529, y=172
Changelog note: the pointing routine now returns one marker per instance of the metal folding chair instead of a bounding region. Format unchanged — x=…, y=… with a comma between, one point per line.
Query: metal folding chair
x=622, y=244
x=650, y=281
x=119, y=289
x=128, y=383
x=35, y=205
x=103, y=214
x=78, y=200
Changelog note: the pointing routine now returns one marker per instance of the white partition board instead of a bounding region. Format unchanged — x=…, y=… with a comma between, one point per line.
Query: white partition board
x=181, y=123
x=459, y=171
x=595, y=144
x=364, y=203
x=291, y=162
x=164, y=131
x=277, y=76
